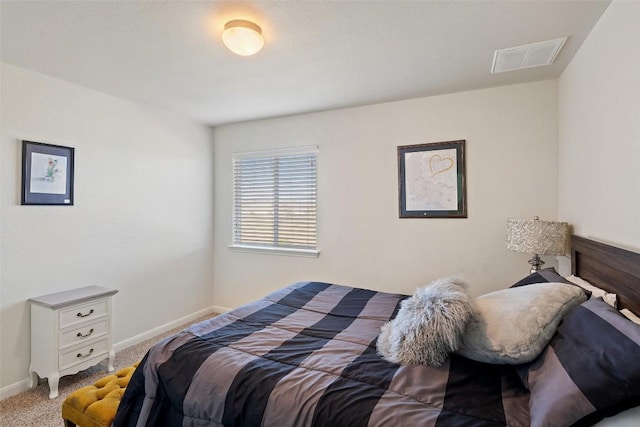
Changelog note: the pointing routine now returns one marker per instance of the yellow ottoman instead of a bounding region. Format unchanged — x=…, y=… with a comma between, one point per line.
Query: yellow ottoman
x=96, y=405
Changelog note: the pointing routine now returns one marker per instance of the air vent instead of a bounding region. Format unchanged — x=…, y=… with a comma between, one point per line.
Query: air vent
x=526, y=56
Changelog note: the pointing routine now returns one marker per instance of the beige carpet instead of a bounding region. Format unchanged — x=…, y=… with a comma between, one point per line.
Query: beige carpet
x=34, y=408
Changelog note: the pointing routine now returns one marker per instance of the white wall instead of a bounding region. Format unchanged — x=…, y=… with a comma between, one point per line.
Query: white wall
x=599, y=130
x=141, y=223
x=511, y=150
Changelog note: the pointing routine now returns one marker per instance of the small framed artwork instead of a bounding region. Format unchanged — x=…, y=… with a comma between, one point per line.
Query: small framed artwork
x=47, y=174
x=432, y=180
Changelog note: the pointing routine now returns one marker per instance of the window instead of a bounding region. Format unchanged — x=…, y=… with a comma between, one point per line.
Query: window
x=274, y=200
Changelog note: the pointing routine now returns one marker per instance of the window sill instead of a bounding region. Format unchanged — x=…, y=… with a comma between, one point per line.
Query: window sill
x=308, y=253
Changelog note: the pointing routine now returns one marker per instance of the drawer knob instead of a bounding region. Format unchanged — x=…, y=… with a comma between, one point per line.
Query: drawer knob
x=85, y=315
x=81, y=335
x=82, y=356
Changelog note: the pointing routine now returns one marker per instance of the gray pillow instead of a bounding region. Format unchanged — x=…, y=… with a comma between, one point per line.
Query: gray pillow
x=514, y=325
x=429, y=325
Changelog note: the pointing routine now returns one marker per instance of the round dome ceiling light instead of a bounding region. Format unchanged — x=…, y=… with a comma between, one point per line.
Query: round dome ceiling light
x=242, y=37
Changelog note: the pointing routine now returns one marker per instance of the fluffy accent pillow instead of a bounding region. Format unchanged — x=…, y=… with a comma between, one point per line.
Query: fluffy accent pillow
x=429, y=325
x=514, y=325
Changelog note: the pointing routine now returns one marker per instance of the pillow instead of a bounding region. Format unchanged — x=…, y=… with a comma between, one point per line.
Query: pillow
x=629, y=315
x=428, y=326
x=589, y=369
x=546, y=275
x=543, y=276
x=596, y=292
x=513, y=326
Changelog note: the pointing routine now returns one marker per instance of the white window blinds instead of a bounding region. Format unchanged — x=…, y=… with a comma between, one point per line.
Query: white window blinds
x=274, y=199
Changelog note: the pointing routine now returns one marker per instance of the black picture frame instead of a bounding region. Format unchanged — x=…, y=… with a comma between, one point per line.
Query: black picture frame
x=432, y=181
x=47, y=174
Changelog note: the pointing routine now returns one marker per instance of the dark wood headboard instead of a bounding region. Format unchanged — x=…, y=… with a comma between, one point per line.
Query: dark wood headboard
x=608, y=267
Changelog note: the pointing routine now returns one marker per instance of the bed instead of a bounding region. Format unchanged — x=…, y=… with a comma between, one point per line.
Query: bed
x=306, y=355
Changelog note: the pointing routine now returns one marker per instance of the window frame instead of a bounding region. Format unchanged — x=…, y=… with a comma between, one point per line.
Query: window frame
x=273, y=248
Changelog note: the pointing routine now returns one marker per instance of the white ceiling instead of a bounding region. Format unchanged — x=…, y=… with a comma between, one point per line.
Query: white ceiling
x=318, y=55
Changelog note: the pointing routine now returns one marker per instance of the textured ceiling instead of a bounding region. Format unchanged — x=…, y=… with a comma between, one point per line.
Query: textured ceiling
x=318, y=55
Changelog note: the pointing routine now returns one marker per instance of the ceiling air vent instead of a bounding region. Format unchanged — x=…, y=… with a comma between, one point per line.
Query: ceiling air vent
x=526, y=56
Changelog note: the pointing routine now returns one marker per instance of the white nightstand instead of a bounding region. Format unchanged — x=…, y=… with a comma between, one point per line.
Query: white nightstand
x=70, y=332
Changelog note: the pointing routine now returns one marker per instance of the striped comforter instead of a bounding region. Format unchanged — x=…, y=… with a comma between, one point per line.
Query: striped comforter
x=306, y=356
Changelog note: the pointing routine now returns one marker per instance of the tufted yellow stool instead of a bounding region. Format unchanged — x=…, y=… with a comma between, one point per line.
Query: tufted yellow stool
x=96, y=405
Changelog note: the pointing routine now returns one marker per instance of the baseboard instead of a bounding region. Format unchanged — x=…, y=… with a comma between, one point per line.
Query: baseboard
x=14, y=389
x=163, y=328
x=23, y=385
x=219, y=309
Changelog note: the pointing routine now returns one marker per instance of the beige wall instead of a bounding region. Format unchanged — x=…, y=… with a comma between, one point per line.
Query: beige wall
x=141, y=221
x=145, y=195
x=599, y=130
x=511, y=135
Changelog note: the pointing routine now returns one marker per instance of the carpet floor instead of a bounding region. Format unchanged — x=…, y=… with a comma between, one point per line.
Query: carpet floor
x=33, y=408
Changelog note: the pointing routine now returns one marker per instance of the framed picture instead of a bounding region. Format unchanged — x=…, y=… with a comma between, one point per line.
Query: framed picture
x=47, y=174
x=432, y=180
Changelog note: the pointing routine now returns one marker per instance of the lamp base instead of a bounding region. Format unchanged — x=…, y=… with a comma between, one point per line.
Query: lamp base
x=535, y=263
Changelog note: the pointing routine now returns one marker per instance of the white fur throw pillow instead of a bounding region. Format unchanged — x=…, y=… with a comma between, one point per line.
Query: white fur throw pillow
x=429, y=325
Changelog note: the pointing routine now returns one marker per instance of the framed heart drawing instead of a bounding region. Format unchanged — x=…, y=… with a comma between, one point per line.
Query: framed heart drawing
x=431, y=180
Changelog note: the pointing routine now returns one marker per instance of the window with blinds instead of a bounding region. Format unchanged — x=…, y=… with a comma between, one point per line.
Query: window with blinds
x=274, y=200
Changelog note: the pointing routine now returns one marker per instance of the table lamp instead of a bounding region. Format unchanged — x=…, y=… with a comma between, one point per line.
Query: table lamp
x=538, y=238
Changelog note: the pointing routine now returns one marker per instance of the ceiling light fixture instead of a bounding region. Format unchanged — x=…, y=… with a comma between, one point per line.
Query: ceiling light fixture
x=242, y=37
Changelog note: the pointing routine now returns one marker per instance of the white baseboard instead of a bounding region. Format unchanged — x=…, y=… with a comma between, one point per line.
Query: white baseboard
x=164, y=328
x=219, y=309
x=14, y=389
x=23, y=385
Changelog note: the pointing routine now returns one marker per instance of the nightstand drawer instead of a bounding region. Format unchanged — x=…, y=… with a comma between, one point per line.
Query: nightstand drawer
x=83, y=353
x=84, y=312
x=83, y=333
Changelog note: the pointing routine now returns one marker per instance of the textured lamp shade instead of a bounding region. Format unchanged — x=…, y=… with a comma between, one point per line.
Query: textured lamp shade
x=242, y=37
x=538, y=238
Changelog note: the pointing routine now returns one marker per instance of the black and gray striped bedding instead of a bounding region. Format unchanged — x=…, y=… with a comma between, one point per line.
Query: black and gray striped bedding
x=305, y=356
